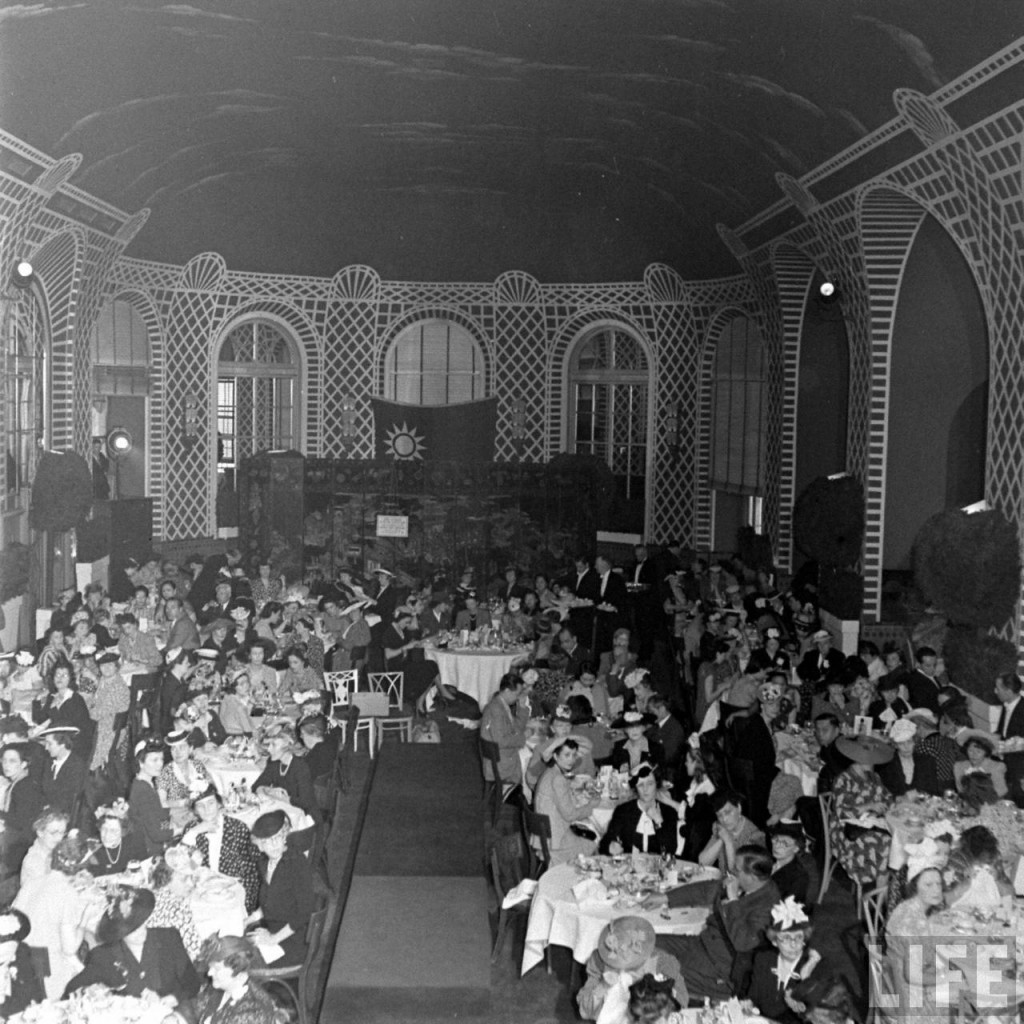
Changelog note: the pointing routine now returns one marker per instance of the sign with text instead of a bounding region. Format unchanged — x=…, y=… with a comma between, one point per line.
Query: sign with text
x=392, y=526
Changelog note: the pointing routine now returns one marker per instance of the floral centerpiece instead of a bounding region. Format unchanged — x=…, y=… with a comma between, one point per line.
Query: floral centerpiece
x=93, y=1005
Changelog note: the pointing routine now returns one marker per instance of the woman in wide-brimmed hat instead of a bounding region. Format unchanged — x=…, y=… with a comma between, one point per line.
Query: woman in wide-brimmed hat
x=133, y=958
x=637, y=747
x=862, y=850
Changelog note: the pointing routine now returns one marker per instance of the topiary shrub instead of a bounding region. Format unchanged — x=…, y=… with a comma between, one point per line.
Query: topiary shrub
x=969, y=565
x=61, y=492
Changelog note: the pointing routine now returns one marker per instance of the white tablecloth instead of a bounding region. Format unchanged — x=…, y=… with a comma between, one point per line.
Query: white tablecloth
x=557, y=919
x=226, y=773
x=474, y=673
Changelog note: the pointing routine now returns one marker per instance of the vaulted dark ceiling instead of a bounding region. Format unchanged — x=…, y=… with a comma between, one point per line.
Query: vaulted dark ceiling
x=455, y=139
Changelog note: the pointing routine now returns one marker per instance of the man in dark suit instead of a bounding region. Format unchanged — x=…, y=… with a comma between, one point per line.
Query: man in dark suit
x=584, y=583
x=218, y=608
x=1010, y=729
x=648, y=616
x=821, y=662
x=833, y=763
x=183, y=634
x=66, y=778
x=575, y=654
x=669, y=733
x=923, y=684
x=21, y=802
x=202, y=587
x=611, y=603
x=386, y=599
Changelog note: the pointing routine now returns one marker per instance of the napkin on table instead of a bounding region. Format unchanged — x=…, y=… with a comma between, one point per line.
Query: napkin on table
x=590, y=889
x=522, y=893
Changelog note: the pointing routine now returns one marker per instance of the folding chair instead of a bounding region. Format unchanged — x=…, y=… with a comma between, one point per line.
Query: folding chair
x=537, y=827
x=340, y=685
x=372, y=706
x=874, y=912
x=496, y=789
x=392, y=684
x=882, y=998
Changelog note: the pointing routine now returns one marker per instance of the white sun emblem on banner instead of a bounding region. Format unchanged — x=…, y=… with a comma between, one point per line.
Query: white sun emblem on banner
x=404, y=443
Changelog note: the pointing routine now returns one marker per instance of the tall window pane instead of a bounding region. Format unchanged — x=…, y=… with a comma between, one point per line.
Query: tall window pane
x=434, y=362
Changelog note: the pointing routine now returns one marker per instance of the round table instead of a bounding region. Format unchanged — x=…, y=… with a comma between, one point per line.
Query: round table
x=475, y=672
x=556, y=918
x=227, y=772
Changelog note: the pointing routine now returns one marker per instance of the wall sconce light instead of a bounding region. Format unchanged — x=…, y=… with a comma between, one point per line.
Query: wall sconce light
x=672, y=427
x=348, y=419
x=22, y=275
x=192, y=414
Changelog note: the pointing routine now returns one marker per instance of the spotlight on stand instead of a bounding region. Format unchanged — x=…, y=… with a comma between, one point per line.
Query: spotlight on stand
x=22, y=275
x=119, y=442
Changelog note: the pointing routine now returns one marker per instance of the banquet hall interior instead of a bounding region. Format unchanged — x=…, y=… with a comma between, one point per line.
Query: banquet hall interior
x=447, y=310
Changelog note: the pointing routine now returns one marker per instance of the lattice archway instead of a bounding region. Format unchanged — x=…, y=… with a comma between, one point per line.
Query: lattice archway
x=703, y=522
x=569, y=349
x=793, y=271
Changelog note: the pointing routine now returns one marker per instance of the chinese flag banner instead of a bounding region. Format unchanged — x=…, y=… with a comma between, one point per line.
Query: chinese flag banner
x=463, y=432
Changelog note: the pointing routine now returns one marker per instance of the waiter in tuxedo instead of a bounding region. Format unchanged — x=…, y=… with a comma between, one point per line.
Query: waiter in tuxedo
x=1010, y=730
x=648, y=617
x=584, y=584
x=611, y=604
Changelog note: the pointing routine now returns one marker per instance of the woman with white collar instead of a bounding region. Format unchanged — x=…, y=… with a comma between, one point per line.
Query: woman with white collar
x=791, y=961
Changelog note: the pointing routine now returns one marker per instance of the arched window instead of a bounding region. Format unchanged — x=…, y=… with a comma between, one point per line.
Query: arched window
x=738, y=431
x=120, y=350
x=257, y=394
x=609, y=383
x=434, y=362
x=27, y=398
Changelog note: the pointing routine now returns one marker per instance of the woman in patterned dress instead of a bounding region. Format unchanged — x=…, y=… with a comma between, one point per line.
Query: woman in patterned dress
x=863, y=852
x=182, y=777
x=265, y=587
x=172, y=908
x=112, y=698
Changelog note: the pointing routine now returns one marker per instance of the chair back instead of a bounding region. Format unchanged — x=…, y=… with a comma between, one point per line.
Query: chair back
x=826, y=804
x=392, y=684
x=308, y=982
x=341, y=684
x=874, y=913
x=537, y=829
x=371, y=705
x=490, y=754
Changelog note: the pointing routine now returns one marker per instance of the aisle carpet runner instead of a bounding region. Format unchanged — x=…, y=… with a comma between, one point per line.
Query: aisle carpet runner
x=414, y=939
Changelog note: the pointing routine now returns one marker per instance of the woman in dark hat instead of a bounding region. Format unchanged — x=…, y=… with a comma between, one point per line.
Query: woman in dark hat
x=133, y=958
x=637, y=747
x=644, y=824
x=793, y=871
x=862, y=851
x=652, y=1000
x=231, y=996
x=286, y=899
x=19, y=983
x=182, y=775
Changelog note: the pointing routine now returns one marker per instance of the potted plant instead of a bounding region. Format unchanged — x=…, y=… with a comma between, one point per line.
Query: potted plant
x=968, y=564
x=828, y=527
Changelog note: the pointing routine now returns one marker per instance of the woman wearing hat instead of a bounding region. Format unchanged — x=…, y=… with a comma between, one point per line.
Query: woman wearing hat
x=150, y=819
x=794, y=871
x=183, y=776
x=284, y=771
x=562, y=799
x=911, y=937
x=889, y=707
x=225, y=844
x=113, y=698
x=118, y=843
x=979, y=748
x=898, y=774
x=231, y=996
x=770, y=654
x=636, y=747
x=133, y=958
x=19, y=984
x=862, y=851
x=286, y=899
x=50, y=828
x=559, y=728
x=778, y=971
x=645, y=824
x=625, y=954
x=56, y=909
x=62, y=705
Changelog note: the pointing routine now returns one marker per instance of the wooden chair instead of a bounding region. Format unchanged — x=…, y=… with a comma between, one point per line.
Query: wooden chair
x=371, y=707
x=537, y=833
x=496, y=789
x=826, y=801
x=874, y=913
x=340, y=685
x=304, y=974
x=507, y=915
x=393, y=685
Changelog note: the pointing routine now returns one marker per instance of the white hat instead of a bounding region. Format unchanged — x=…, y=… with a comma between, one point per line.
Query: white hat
x=902, y=730
x=822, y=634
x=380, y=570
